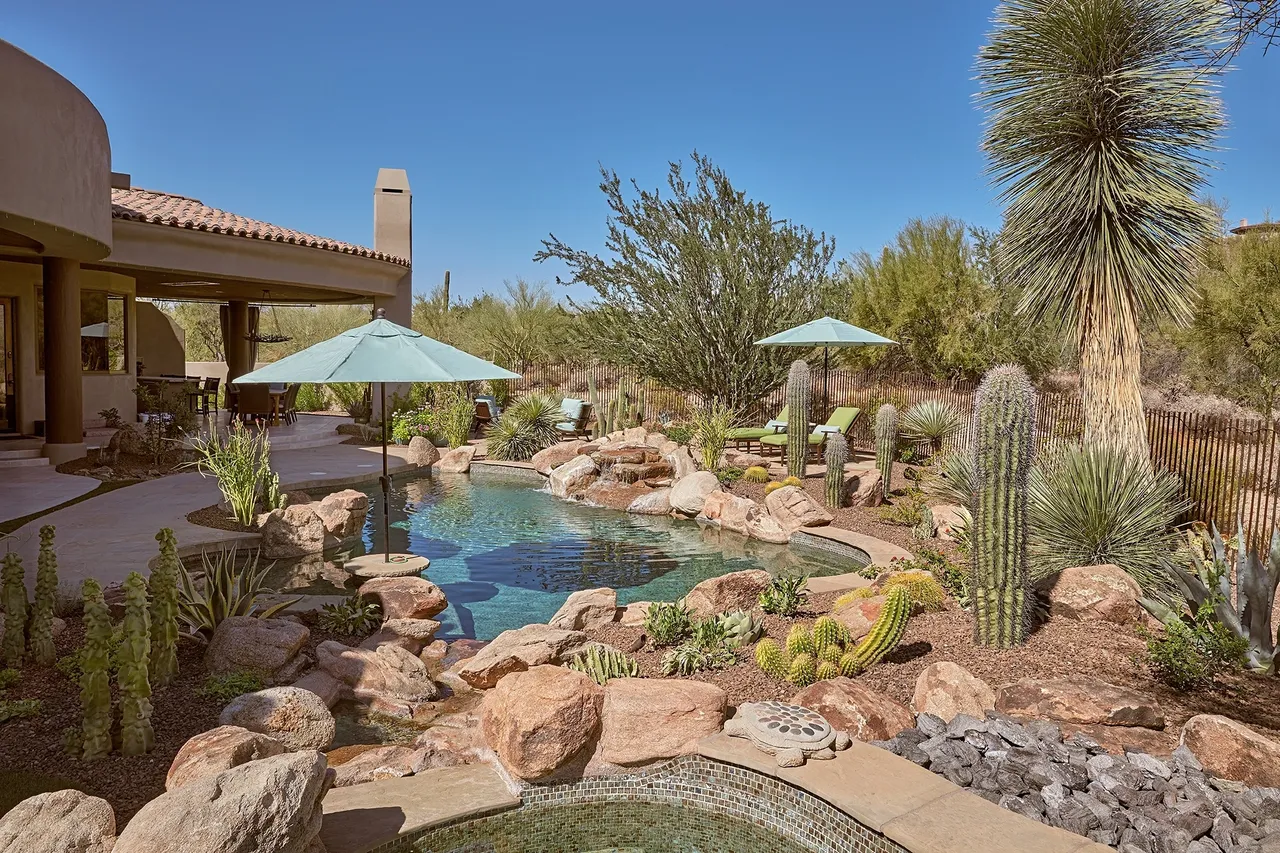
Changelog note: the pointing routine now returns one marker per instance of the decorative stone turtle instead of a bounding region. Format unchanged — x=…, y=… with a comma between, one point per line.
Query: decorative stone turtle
x=788, y=732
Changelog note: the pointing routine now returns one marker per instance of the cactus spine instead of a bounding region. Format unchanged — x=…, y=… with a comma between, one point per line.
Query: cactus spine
x=771, y=659
x=13, y=591
x=95, y=669
x=799, y=395
x=886, y=433
x=163, y=666
x=136, y=735
x=803, y=670
x=827, y=670
x=1004, y=419
x=40, y=640
x=835, y=456
x=800, y=641
x=828, y=632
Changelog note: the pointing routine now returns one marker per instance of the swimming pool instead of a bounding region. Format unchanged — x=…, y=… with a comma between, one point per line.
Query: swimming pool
x=507, y=554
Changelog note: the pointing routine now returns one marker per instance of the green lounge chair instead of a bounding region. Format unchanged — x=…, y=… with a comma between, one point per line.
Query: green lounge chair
x=841, y=421
x=752, y=435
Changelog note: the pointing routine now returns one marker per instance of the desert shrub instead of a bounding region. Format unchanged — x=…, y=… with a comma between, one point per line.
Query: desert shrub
x=933, y=421
x=667, y=623
x=785, y=595
x=13, y=709
x=224, y=688
x=354, y=398
x=525, y=428
x=222, y=589
x=8, y=677
x=455, y=412
x=111, y=418
x=907, y=510
x=407, y=424
x=710, y=434
x=311, y=398
x=350, y=617
x=240, y=459
x=1190, y=653
x=169, y=416
x=729, y=474
x=679, y=432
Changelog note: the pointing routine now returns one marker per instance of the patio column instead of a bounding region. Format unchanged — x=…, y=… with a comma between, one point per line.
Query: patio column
x=239, y=349
x=63, y=388
x=393, y=234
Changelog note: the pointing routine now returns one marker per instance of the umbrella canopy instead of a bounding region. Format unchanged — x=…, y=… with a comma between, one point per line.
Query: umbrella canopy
x=826, y=333
x=382, y=352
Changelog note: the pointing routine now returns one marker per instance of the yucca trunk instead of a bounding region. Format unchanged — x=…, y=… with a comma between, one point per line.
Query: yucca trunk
x=1110, y=382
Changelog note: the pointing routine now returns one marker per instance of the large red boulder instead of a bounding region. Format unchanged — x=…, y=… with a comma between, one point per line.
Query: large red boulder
x=405, y=598
x=947, y=690
x=541, y=719
x=1103, y=593
x=726, y=593
x=647, y=719
x=864, y=713
x=1231, y=750
x=1079, y=699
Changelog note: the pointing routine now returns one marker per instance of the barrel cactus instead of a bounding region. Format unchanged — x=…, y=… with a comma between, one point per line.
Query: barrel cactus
x=95, y=674
x=40, y=639
x=741, y=628
x=13, y=592
x=755, y=474
x=772, y=659
x=835, y=456
x=1004, y=419
x=800, y=641
x=163, y=586
x=799, y=393
x=136, y=735
x=803, y=670
x=886, y=435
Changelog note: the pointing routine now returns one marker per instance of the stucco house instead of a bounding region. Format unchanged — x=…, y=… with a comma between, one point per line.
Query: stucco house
x=82, y=249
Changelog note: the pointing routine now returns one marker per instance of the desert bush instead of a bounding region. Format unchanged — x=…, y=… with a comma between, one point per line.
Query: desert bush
x=311, y=398
x=710, y=431
x=350, y=617
x=224, y=688
x=667, y=623
x=221, y=590
x=933, y=421
x=1190, y=653
x=525, y=428
x=240, y=459
x=785, y=595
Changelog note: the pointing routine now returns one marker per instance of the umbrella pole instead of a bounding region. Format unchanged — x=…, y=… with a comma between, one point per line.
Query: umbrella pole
x=826, y=354
x=386, y=480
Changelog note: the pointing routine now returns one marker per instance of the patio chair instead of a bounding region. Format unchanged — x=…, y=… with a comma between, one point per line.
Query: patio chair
x=483, y=415
x=577, y=415
x=744, y=437
x=205, y=397
x=841, y=421
x=289, y=404
x=254, y=401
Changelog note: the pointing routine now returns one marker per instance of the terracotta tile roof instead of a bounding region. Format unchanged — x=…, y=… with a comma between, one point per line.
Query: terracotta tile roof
x=157, y=208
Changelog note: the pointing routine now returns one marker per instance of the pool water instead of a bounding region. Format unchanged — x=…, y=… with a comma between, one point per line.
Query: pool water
x=507, y=554
x=607, y=827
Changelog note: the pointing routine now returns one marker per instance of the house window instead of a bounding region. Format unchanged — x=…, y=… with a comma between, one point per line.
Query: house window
x=102, y=331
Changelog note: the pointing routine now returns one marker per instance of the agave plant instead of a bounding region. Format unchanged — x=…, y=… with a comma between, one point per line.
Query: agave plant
x=223, y=590
x=933, y=421
x=953, y=479
x=525, y=428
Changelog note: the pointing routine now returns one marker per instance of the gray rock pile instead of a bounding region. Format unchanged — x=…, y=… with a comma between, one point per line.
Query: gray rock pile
x=1136, y=803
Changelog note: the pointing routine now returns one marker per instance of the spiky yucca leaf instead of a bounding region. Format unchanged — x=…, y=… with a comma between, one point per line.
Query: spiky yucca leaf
x=933, y=421
x=528, y=426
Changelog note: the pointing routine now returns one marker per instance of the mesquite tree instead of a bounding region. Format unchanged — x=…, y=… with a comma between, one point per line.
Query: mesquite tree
x=692, y=278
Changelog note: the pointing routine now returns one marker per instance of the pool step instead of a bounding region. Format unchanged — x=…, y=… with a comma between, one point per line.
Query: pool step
x=24, y=458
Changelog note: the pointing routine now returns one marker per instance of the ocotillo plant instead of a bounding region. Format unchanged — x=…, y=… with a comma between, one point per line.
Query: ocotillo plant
x=40, y=631
x=164, y=611
x=1004, y=418
x=136, y=735
x=13, y=592
x=836, y=455
x=886, y=433
x=799, y=394
x=95, y=673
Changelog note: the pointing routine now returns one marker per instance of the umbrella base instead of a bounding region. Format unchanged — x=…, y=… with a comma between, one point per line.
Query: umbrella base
x=376, y=566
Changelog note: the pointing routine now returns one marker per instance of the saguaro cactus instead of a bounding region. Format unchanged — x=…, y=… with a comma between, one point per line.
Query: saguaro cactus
x=886, y=434
x=136, y=735
x=95, y=673
x=598, y=407
x=14, y=594
x=40, y=641
x=799, y=395
x=835, y=456
x=163, y=585
x=1004, y=419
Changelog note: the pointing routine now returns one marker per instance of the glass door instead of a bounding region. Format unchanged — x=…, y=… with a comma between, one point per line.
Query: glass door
x=8, y=390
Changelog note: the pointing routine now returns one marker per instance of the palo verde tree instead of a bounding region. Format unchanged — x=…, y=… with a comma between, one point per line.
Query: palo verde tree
x=1101, y=114
x=693, y=278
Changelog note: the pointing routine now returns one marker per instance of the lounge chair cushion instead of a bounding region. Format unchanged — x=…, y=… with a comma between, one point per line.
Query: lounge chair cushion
x=776, y=426
x=571, y=408
x=567, y=426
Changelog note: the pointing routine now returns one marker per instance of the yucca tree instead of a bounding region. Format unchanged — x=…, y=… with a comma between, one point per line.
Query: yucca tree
x=1101, y=116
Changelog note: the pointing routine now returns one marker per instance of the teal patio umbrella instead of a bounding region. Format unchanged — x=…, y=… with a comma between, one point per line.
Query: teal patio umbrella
x=382, y=352
x=827, y=333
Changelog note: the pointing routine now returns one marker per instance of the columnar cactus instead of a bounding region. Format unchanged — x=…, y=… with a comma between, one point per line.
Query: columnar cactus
x=799, y=395
x=886, y=434
x=163, y=584
x=136, y=735
x=1004, y=419
x=95, y=673
x=40, y=641
x=835, y=456
x=597, y=407
x=13, y=591
x=885, y=634
x=828, y=632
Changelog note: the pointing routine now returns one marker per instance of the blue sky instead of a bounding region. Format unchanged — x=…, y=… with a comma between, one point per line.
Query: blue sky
x=847, y=117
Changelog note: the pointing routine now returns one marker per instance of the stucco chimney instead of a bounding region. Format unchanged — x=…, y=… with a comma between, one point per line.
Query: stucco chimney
x=1244, y=223
x=393, y=234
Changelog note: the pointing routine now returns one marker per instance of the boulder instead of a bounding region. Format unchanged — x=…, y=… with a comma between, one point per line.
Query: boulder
x=793, y=508
x=422, y=453
x=624, y=453
x=646, y=720
x=572, y=477
x=730, y=511
x=864, y=488
x=297, y=718
x=735, y=458
x=1079, y=699
x=324, y=685
x=452, y=740
x=646, y=472
x=656, y=502
x=412, y=635
x=681, y=462
x=250, y=644
x=460, y=650
x=458, y=460
x=518, y=650
x=211, y=752
x=726, y=593
x=1231, y=750
x=589, y=447
x=633, y=614
x=539, y=720
x=343, y=513
x=66, y=821
x=948, y=520
x=849, y=705
x=554, y=456
x=587, y=608
x=613, y=494
x=763, y=526
x=945, y=689
x=635, y=435
x=294, y=531
x=405, y=598
x=383, y=762
x=267, y=806
x=859, y=615
x=1102, y=593
x=127, y=440
x=389, y=675
x=690, y=493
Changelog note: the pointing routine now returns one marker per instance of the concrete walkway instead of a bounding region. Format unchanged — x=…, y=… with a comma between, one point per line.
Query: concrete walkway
x=27, y=490
x=108, y=536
